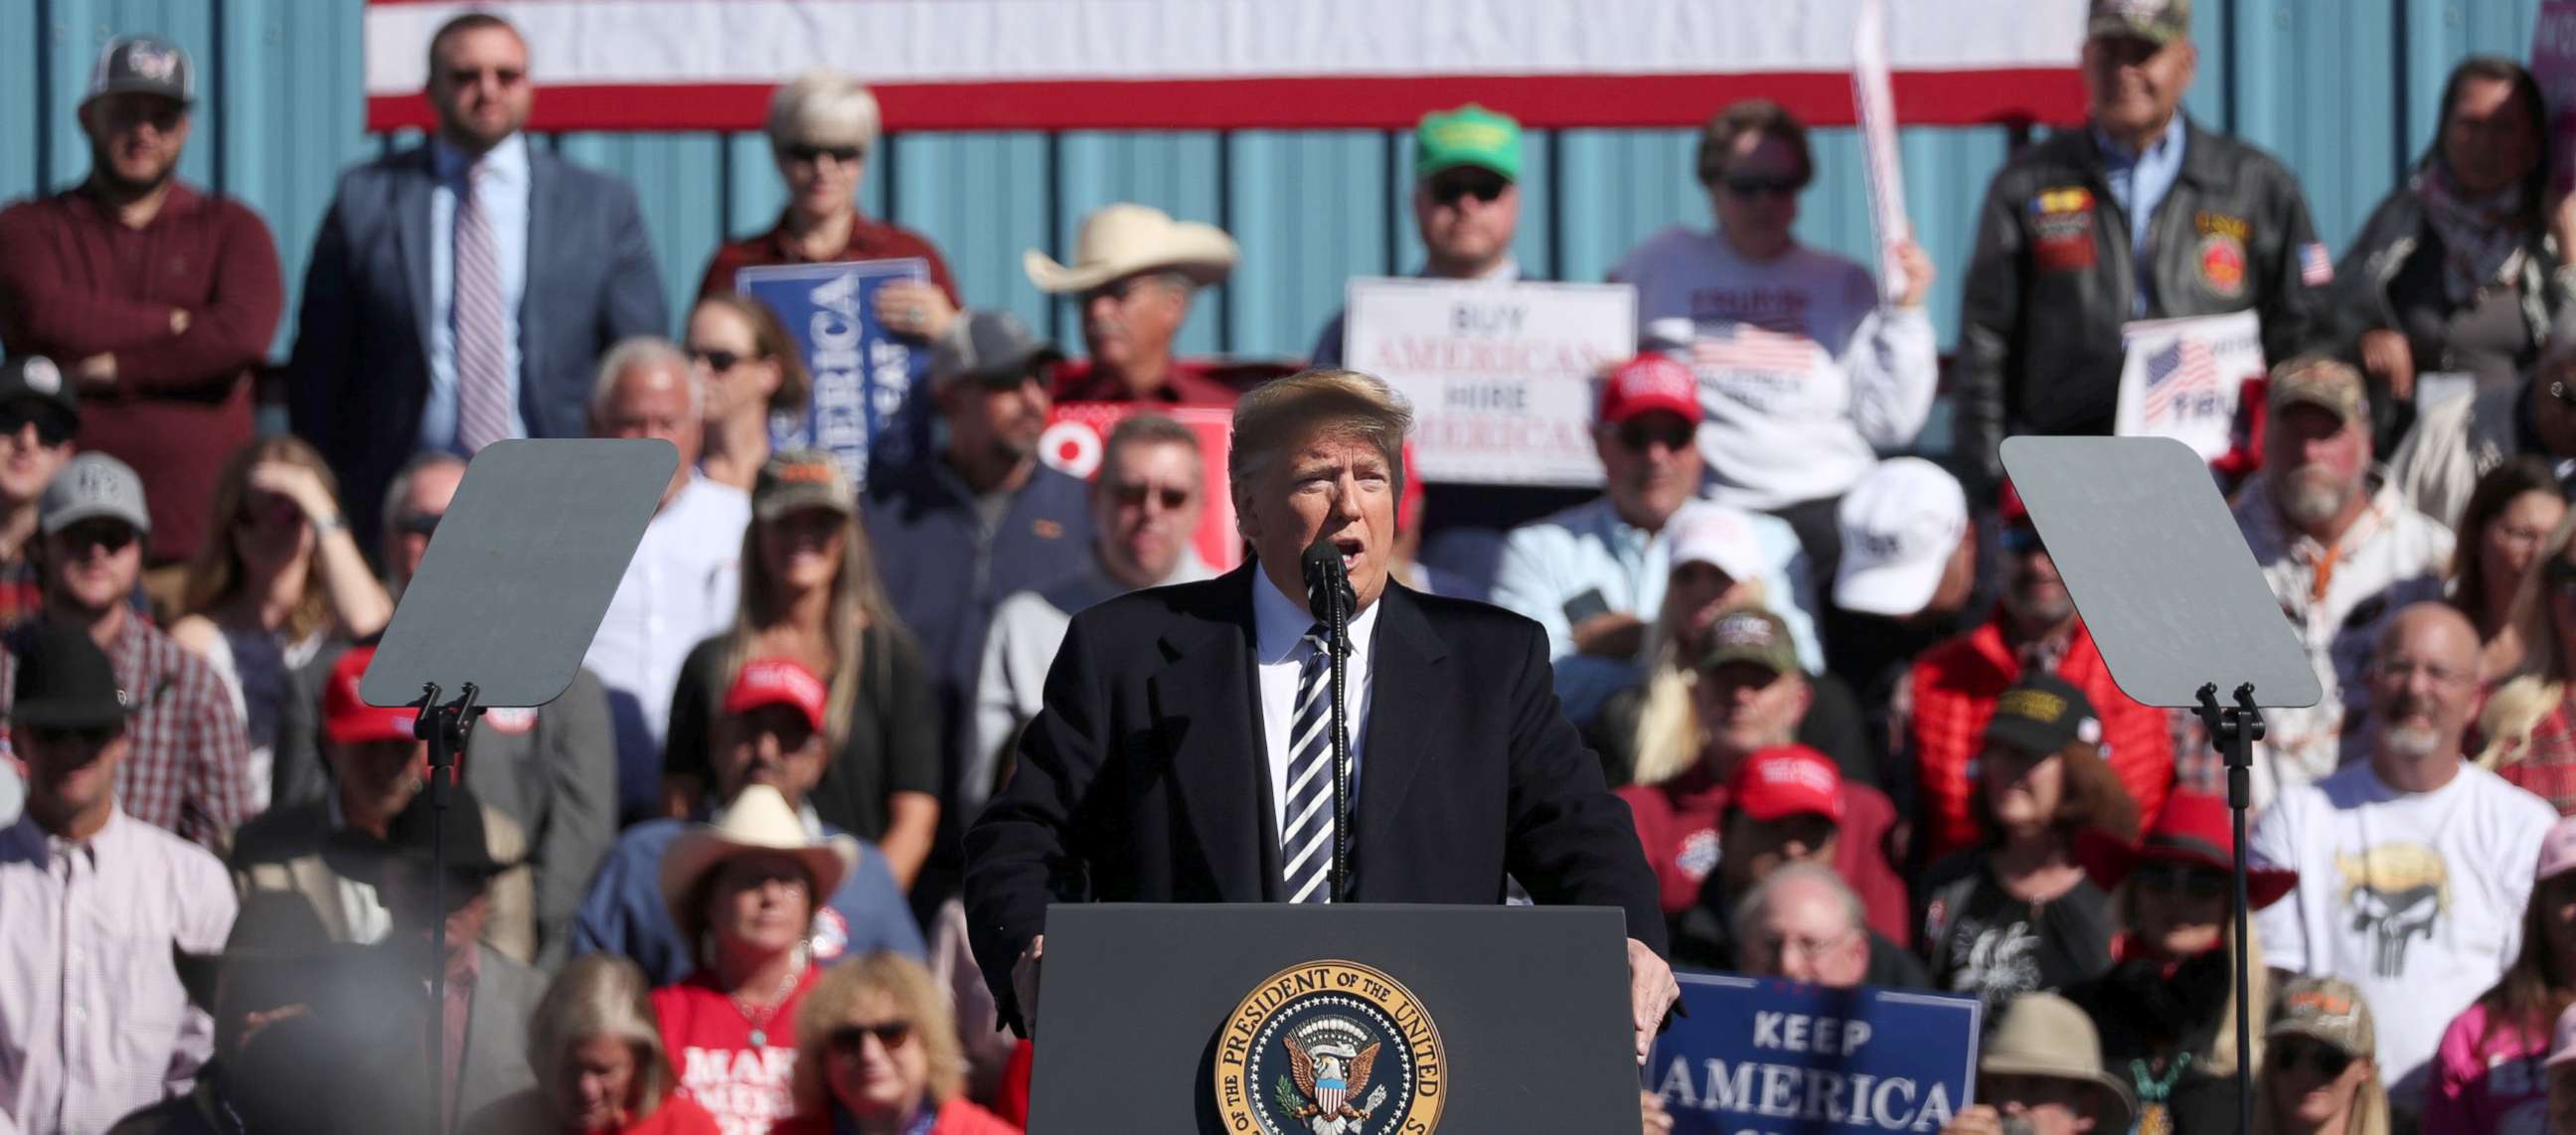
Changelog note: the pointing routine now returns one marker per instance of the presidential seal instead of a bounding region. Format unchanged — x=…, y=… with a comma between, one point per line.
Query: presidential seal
x=1330, y=1048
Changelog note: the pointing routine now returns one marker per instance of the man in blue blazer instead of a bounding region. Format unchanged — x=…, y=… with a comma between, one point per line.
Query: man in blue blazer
x=460, y=292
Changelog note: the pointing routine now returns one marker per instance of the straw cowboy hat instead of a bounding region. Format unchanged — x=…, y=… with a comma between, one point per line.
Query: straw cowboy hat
x=758, y=822
x=2042, y=1034
x=1124, y=239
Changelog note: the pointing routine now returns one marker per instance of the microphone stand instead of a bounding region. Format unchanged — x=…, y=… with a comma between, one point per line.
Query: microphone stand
x=2234, y=729
x=1328, y=595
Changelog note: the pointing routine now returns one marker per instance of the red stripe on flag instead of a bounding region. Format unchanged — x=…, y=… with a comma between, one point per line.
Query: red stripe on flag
x=1927, y=98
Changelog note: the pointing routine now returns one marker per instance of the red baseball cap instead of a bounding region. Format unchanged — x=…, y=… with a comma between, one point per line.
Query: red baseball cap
x=1787, y=780
x=1646, y=383
x=347, y=719
x=777, y=681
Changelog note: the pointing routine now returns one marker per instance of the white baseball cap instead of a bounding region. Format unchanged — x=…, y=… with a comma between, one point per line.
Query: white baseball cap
x=1721, y=536
x=1900, y=526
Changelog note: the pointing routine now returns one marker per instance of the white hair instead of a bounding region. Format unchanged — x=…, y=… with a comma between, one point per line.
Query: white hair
x=645, y=352
x=1748, y=913
x=823, y=108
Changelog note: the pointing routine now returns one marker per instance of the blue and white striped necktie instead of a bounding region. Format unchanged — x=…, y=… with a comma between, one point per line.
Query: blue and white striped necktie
x=1306, y=832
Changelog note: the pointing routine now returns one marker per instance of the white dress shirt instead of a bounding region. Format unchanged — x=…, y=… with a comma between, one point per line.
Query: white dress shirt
x=93, y=1022
x=1279, y=626
x=679, y=590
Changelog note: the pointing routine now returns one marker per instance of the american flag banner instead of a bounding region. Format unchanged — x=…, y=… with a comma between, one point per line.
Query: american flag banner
x=2315, y=270
x=2182, y=380
x=1744, y=346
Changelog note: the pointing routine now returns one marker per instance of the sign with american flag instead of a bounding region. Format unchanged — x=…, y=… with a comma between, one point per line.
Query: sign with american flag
x=2183, y=376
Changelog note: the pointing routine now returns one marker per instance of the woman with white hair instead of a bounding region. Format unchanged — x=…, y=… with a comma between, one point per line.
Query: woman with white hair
x=821, y=129
x=599, y=1062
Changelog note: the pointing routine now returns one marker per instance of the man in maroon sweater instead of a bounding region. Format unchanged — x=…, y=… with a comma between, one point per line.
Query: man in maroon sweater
x=157, y=301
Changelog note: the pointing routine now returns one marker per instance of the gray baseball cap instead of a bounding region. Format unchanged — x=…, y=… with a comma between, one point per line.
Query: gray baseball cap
x=143, y=65
x=993, y=346
x=93, y=485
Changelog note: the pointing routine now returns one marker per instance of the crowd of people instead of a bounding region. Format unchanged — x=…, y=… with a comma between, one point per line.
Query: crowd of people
x=1863, y=734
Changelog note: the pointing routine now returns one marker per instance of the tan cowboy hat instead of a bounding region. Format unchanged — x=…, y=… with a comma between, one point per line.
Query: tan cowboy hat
x=2042, y=1034
x=1124, y=239
x=758, y=822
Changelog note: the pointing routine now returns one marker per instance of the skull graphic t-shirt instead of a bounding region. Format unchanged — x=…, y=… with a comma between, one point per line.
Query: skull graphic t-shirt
x=2416, y=898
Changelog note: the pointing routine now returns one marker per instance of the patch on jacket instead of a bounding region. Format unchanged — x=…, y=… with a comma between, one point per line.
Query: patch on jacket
x=2062, y=199
x=2222, y=264
x=2224, y=224
x=2062, y=240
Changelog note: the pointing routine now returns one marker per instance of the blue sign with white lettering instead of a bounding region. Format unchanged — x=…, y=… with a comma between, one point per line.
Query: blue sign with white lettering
x=1773, y=1056
x=862, y=407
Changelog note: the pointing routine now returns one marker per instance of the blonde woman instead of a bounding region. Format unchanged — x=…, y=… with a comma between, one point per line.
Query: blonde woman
x=277, y=581
x=2529, y=723
x=821, y=128
x=877, y=1054
x=599, y=1062
x=2320, y=1068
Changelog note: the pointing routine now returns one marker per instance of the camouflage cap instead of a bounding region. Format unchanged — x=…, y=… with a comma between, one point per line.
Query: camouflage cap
x=2156, y=21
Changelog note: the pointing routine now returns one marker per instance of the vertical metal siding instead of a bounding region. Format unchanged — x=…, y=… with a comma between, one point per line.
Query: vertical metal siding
x=2344, y=91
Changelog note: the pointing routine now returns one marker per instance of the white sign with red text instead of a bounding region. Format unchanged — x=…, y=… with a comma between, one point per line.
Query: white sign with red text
x=1502, y=377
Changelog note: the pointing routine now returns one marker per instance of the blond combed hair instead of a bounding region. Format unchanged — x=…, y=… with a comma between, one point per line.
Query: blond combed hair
x=1314, y=404
x=881, y=978
x=823, y=107
x=216, y=575
x=600, y=995
x=2539, y=682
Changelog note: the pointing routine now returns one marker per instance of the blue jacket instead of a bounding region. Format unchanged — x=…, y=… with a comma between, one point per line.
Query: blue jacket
x=624, y=912
x=945, y=574
x=360, y=372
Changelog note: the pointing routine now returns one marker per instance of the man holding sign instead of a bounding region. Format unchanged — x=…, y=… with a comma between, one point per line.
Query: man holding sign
x=2143, y=215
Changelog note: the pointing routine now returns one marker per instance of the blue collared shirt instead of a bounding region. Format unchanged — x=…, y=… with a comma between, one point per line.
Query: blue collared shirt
x=2139, y=183
x=503, y=197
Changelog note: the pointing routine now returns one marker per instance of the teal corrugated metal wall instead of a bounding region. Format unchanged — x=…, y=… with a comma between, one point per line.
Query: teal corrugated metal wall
x=2343, y=90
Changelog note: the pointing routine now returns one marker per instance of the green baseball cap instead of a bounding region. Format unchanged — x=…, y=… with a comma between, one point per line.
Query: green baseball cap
x=1750, y=634
x=1468, y=136
x=2156, y=21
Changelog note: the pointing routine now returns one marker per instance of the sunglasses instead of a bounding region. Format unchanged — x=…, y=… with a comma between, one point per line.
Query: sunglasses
x=2020, y=540
x=92, y=737
x=851, y=1040
x=1117, y=290
x=2182, y=879
x=1135, y=496
x=1756, y=184
x=162, y=114
x=264, y=509
x=53, y=427
x=416, y=523
x=2290, y=1053
x=718, y=361
x=468, y=76
x=809, y=153
x=110, y=535
x=1636, y=434
x=1482, y=185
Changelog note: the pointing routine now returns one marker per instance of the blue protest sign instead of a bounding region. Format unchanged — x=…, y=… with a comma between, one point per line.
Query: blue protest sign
x=1771, y=1056
x=862, y=408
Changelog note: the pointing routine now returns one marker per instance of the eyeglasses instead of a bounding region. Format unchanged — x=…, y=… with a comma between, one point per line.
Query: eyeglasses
x=718, y=361
x=1483, y=185
x=2182, y=879
x=2290, y=1053
x=416, y=523
x=851, y=1040
x=1135, y=496
x=1756, y=184
x=1636, y=434
x=1809, y=950
x=809, y=153
x=53, y=427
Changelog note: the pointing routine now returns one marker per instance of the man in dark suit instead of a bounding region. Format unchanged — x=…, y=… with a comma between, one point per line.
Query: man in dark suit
x=1164, y=767
x=460, y=291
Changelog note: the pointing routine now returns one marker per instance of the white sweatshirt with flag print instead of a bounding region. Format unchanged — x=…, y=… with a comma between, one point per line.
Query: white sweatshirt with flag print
x=1804, y=376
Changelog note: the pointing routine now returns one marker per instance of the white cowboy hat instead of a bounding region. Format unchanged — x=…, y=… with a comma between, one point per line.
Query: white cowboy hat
x=758, y=822
x=1124, y=239
x=2041, y=1034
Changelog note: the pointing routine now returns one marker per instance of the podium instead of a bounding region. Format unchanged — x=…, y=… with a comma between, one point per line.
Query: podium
x=1357, y=1019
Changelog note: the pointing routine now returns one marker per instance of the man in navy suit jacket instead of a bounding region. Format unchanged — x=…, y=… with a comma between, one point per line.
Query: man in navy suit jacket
x=558, y=270
x=1163, y=768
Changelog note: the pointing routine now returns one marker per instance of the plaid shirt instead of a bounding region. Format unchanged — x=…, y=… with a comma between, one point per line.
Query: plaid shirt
x=188, y=770
x=2545, y=764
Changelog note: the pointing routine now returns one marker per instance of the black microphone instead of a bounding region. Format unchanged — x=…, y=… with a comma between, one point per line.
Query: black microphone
x=1321, y=563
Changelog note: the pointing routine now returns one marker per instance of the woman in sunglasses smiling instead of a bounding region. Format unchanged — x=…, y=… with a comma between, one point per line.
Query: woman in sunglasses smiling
x=877, y=1054
x=2166, y=1009
x=1806, y=368
x=2320, y=1066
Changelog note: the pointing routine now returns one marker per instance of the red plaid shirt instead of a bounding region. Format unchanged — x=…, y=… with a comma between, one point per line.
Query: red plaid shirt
x=188, y=770
x=2545, y=765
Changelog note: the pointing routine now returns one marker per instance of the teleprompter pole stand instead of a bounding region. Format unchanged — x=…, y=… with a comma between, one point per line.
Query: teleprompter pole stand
x=2234, y=729
x=445, y=726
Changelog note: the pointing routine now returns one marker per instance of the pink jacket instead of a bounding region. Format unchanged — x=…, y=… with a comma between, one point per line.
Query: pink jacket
x=2483, y=1085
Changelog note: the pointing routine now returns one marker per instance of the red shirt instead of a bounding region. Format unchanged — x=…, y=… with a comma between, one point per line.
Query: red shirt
x=746, y=1089
x=1677, y=824
x=956, y=1117
x=869, y=240
x=1188, y=384
x=76, y=282
x=1956, y=685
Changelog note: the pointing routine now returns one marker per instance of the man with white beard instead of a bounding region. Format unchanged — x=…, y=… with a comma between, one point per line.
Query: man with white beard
x=2414, y=864
x=2342, y=553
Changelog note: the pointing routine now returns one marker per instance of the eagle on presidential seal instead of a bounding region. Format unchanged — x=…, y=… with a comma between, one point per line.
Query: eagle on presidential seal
x=1329, y=1060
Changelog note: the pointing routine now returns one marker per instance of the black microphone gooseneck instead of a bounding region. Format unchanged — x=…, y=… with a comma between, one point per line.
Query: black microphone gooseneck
x=1329, y=596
